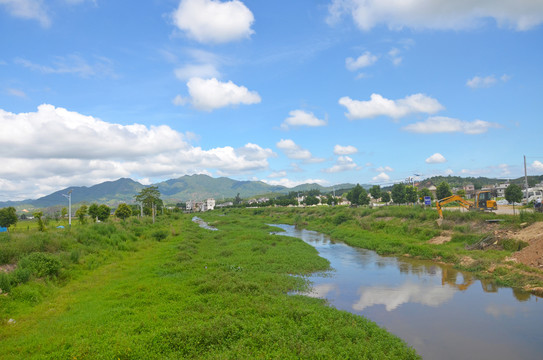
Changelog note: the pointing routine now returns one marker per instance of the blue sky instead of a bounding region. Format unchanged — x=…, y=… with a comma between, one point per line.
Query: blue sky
x=287, y=92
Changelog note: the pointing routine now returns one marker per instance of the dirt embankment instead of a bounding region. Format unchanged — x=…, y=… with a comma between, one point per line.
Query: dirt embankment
x=531, y=255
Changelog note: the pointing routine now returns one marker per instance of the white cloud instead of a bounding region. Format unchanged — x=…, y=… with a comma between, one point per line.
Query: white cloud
x=302, y=118
x=504, y=168
x=196, y=71
x=384, y=169
x=364, y=60
x=537, y=165
x=481, y=82
x=213, y=21
x=380, y=106
x=344, y=163
x=395, y=57
x=293, y=151
x=486, y=82
x=438, y=14
x=382, y=177
x=73, y=64
x=292, y=183
x=213, y=94
x=442, y=124
x=345, y=150
x=437, y=158
x=16, y=92
x=278, y=174
x=54, y=148
x=28, y=9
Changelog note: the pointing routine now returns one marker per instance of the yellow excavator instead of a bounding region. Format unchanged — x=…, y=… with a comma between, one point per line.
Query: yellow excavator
x=483, y=202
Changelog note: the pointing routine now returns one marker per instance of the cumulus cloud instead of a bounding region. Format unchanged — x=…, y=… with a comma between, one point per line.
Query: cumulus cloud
x=437, y=158
x=364, y=60
x=442, y=124
x=212, y=94
x=54, y=147
x=537, y=165
x=28, y=9
x=293, y=151
x=302, y=118
x=213, y=21
x=344, y=163
x=438, y=14
x=380, y=106
x=296, y=152
x=345, y=150
x=382, y=177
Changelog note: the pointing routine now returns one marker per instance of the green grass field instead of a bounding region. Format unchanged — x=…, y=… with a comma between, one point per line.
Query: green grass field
x=173, y=290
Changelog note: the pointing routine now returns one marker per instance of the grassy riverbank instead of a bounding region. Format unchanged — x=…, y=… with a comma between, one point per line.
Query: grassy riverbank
x=174, y=290
x=407, y=231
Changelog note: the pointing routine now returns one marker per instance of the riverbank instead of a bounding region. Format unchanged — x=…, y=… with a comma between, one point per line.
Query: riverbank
x=176, y=290
x=491, y=246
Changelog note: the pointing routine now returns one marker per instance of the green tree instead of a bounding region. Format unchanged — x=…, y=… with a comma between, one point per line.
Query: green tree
x=38, y=215
x=354, y=195
x=103, y=212
x=150, y=198
x=237, y=200
x=375, y=191
x=425, y=192
x=311, y=200
x=94, y=211
x=63, y=212
x=81, y=214
x=443, y=190
x=461, y=193
x=363, y=198
x=513, y=194
x=411, y=194
x=398, y=193
x=8, y=217
x=385, y=196
x=123, y=211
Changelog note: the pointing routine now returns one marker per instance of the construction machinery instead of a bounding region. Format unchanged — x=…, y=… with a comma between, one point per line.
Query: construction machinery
x=483, y=202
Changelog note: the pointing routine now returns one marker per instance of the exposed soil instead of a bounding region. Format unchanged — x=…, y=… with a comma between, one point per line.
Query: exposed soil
x=531, y=255
x=444, y=237
x=7, y=268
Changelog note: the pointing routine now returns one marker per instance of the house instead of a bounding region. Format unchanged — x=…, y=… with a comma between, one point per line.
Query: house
x=198, y=206
x=470, y=190
x=500, y=189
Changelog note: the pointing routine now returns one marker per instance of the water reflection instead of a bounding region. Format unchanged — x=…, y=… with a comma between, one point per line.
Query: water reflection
x=203, y=224
x=392, y=297
x=442, y=312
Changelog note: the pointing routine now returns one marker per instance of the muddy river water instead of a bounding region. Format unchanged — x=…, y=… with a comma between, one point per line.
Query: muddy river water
x=443, y=313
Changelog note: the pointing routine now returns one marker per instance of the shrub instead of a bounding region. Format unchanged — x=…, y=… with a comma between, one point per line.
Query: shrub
x=20, y=276
x=340, y=219
x=5, y=283
x=160, y=235
x=41, y=264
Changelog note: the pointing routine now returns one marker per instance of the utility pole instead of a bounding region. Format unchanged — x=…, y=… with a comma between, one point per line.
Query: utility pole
x=69, y=197
x=525, y=179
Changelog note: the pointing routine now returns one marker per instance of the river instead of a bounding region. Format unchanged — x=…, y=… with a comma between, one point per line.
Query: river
x=441, y=312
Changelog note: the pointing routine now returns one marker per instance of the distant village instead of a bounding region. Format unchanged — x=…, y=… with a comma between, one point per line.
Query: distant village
x=467, y=191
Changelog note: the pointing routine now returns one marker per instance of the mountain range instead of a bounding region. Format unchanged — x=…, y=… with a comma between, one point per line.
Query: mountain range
x=188, y=187
x=201, y=187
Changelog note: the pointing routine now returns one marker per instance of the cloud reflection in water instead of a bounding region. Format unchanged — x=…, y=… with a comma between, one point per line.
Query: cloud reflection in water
x=409, y=292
